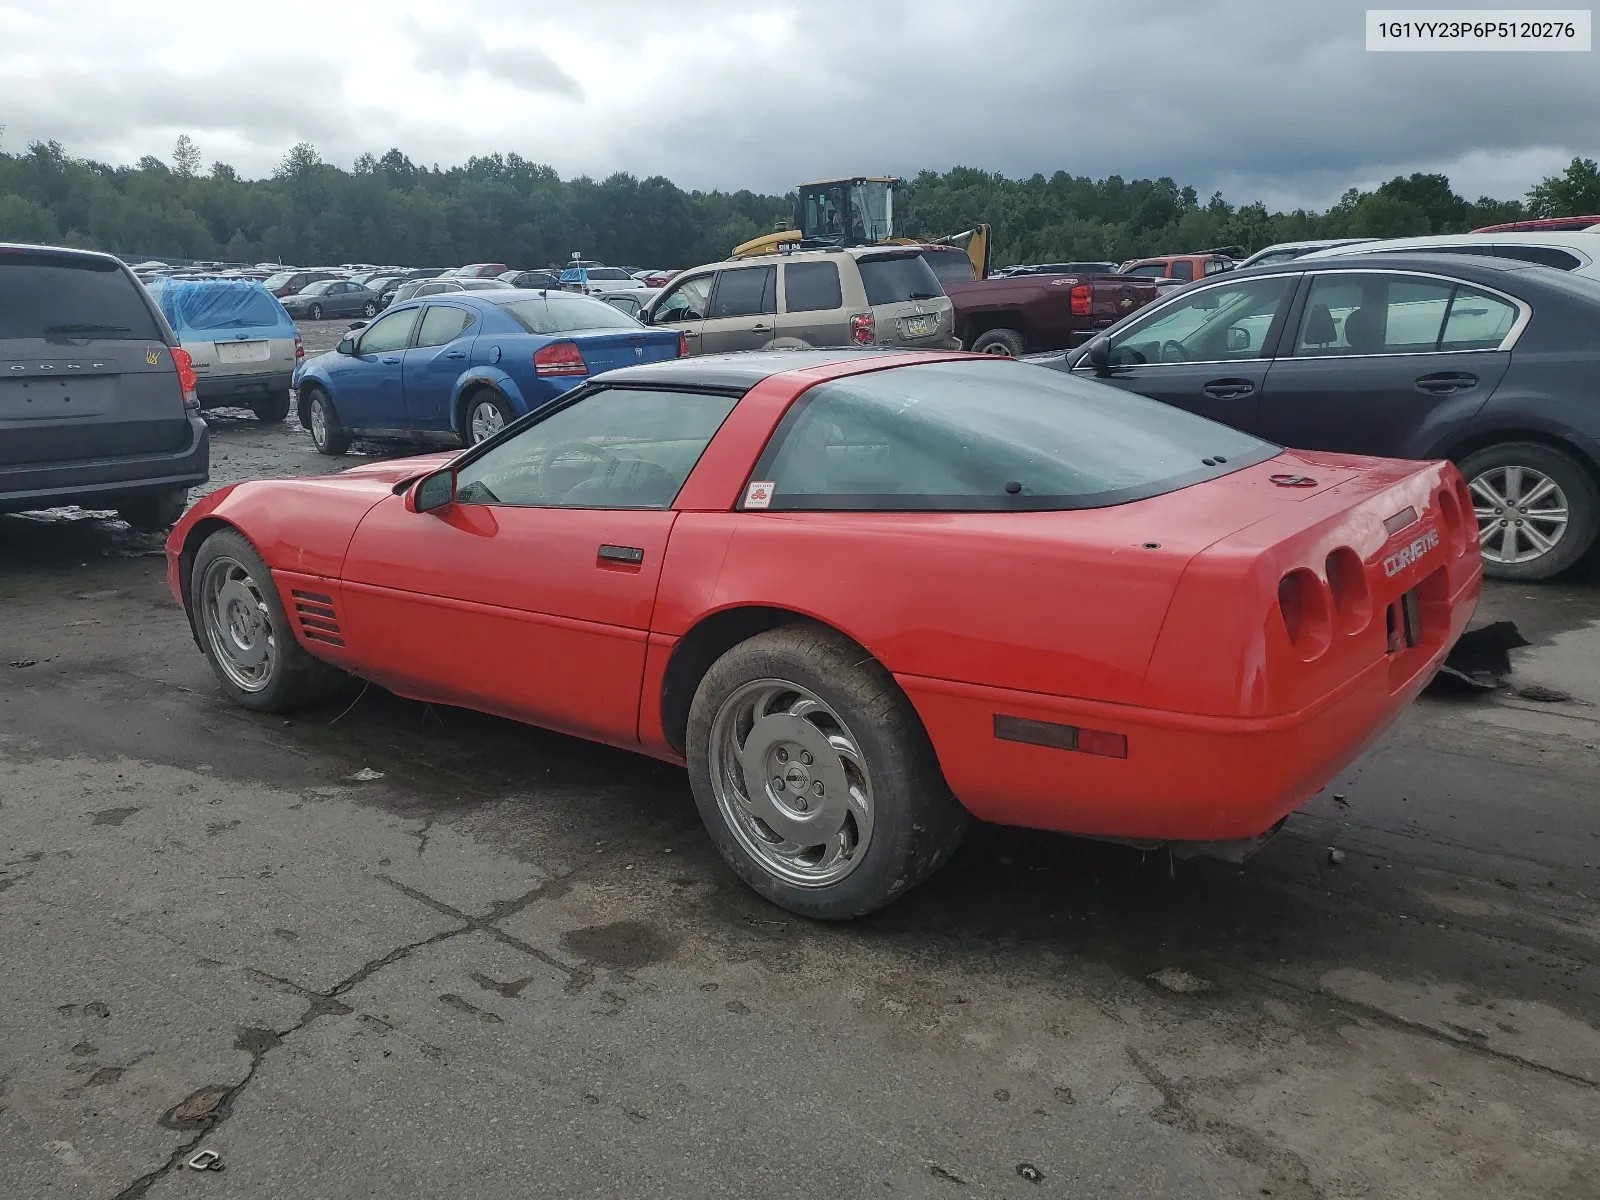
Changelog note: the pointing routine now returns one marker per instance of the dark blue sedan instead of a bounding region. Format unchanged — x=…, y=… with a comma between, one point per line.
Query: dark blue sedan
x=455, y=369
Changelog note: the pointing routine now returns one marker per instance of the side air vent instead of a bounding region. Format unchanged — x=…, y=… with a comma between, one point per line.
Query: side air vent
x=319, y=622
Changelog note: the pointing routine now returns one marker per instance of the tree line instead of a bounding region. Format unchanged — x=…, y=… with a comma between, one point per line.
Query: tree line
x=503, y=208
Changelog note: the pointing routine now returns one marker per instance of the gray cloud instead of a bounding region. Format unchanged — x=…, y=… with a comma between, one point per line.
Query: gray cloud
x=455, y=52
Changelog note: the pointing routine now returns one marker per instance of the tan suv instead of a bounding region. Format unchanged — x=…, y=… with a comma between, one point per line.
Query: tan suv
x=862, y=296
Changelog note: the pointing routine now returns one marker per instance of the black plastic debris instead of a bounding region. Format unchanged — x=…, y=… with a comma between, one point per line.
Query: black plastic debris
x=1481, y=658
x=1540, y=694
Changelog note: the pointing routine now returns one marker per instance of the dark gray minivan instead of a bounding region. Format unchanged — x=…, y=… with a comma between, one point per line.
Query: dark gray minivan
x=95, y=410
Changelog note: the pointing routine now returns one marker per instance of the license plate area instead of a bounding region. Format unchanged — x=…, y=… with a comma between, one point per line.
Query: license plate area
x=922, y=326
x=1405, y=622
x=55, y=399
x=242, y=352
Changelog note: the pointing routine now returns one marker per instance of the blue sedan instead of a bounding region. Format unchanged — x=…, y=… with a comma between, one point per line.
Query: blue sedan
x=455, y=369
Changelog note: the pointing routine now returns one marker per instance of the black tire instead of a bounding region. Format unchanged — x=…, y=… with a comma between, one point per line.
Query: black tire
x=154, y=514
x=369, y=309
x=485, y=398
x=1576, y=485
x=917, y=822
x=327, y=434
x=295, y=678
x=315, y=312
x=1006, y=343
x=273, y=409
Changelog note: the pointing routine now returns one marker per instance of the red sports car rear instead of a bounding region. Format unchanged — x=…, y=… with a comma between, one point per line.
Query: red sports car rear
x=863, y=596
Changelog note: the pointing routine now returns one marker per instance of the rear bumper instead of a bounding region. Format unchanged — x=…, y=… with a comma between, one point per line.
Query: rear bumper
x=107, y=482
x=1186, y=777
x=219, y=390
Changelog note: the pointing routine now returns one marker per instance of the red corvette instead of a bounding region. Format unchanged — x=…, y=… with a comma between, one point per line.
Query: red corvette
x=864, y=595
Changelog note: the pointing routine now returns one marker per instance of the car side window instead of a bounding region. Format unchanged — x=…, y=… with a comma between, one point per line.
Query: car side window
x=686, y=302
x=811, y=287
x=387, y=333
x=615, y=448
x=1361, y=313
x=745, y=292
x=1545, y=256
x=1476, y=320
x=1220, y=323
x=1182, y=270
x=442, y=325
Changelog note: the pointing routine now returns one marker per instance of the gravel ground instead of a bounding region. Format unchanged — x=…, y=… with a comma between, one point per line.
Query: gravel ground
x=399, y=950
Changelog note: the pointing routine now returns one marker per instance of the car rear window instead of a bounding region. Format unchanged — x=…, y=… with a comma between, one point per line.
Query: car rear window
x=980, y=436
x=60, y=298
x=950, y=266
x=896, y=279
x=564, y=313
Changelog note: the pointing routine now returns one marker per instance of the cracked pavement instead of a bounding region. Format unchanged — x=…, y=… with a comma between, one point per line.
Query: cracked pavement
x=513, y=966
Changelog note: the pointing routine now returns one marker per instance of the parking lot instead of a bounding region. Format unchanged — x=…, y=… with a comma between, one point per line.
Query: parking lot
x=384, y=948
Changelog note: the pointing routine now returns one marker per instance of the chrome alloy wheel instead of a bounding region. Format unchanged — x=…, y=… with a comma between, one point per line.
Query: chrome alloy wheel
x=319, y=421
x=791, y=782
x=486, y=421
x=1522, y=513
x=238, y=624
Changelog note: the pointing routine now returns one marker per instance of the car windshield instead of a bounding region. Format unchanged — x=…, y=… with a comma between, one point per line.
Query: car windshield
x=981, y=436
x=562, y=312
x=896, y=279
x=61, y=298
x=278, y=280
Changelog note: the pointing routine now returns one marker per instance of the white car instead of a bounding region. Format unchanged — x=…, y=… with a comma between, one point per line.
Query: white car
x=1576, y=252
x=608, y=279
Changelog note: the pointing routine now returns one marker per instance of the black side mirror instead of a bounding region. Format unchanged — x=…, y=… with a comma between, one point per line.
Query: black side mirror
x=433, y=492
x=1098, y=356
x=1238, y=339
x=346, y=346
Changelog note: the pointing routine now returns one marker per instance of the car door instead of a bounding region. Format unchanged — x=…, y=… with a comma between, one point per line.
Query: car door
x=743, y=312
x=684, y=308
x=1386, y=362
x=440, y=352
x=368, y=388
x=531, y=595
x=1205, y=350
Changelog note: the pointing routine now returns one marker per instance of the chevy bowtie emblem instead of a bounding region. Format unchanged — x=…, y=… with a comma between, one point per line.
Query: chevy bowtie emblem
x=152, y=357
x=1294, y=481
x=1126, y=302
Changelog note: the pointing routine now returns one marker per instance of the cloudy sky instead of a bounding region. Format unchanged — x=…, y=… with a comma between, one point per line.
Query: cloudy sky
x=1275, y=100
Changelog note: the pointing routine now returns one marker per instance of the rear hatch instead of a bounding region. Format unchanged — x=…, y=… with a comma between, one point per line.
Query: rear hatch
x=229, y=328
x=85, y=370
x=909, y=305
x=1112, y=297
x=605, y=351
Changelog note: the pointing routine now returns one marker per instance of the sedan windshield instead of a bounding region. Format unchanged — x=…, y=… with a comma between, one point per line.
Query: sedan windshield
x=560, y=312
x=979, y=436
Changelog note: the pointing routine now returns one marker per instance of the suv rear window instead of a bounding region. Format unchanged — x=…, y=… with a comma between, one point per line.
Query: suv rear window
x=979, y=437
x=58, y=298
x=896, y=279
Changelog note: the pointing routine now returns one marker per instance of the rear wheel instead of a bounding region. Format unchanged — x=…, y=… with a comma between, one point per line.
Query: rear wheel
x=488, y=412
x=272, y=409
x=814, y=776
x=152, y=514
x=1007, y=343
x=327, y=435
x=1538, y=510
x=245, y=632
x=315, y=312
x=369, y=309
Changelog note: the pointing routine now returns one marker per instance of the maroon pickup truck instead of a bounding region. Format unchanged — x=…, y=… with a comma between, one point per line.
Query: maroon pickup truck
x=1019, y=314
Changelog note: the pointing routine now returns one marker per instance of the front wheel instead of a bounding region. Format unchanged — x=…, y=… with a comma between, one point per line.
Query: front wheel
x=814, y=776
x=1538, y=510
x=487, y=414
x=1006, y=343
x=327, y=435
x=315, y=312
x=245, y=632
x=369, y=309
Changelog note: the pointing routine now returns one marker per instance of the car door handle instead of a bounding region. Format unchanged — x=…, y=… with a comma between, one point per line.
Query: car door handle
x=1445, y=382
x=1227, y=389
x=456, y=354
x=631, y=555
x=761, y=329
x=392, y=361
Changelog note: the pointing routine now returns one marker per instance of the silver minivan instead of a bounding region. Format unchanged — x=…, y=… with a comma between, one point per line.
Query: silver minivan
x=860, y=296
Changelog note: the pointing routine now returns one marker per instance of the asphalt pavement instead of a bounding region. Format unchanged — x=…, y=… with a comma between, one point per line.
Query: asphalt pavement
x=390, y=949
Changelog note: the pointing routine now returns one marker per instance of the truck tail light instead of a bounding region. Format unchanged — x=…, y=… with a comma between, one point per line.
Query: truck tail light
x=861, y=330
x=559, y=358
x=683, y=344
x=186, y=378
x=1081, y=303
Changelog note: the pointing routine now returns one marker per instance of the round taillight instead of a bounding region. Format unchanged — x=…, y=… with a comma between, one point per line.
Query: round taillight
x=1450, y=517
x=1352, y=599
x=1303, y=603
